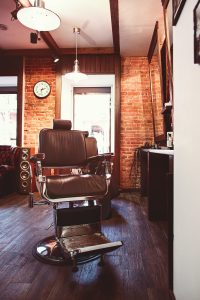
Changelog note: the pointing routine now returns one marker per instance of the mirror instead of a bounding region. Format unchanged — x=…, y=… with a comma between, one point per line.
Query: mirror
x=156, y=81
x=166, y=59
x=168, y=17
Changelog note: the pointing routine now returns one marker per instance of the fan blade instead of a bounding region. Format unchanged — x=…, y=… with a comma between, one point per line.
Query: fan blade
x=88, y=39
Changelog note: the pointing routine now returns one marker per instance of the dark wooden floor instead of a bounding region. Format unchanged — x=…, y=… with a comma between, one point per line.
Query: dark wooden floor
x=136, y=271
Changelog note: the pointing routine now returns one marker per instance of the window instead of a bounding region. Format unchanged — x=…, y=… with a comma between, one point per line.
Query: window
x=92, y=113
x=8, y=110
x=8, y=119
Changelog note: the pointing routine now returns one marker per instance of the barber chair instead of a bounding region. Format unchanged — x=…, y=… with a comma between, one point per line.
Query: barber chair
x=78, y=236
x=92, y=150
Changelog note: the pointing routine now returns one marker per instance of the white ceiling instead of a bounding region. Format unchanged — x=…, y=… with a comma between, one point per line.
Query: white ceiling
x=137, y=19
x=136, y=23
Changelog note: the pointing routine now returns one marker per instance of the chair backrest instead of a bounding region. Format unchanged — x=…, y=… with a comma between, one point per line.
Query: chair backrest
x=62, y=146
x=91, y=146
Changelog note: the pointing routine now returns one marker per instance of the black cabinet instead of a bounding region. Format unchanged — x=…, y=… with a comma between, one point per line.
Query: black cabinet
x=157, y=185
x=155, y=165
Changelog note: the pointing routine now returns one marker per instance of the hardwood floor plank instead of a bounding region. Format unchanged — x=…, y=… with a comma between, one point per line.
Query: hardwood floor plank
x=17, y=291
x=137, y=270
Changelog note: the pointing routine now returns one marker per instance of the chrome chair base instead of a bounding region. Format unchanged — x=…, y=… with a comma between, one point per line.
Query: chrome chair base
x=49, y=251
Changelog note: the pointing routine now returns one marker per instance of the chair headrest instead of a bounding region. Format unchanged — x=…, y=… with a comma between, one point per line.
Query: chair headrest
x=62, y=124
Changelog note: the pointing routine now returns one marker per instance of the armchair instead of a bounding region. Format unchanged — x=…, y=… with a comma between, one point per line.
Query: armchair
x=10, y=169
x=78, y=236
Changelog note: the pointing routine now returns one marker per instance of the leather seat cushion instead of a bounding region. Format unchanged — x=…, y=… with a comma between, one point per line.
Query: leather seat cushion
x=61, y=186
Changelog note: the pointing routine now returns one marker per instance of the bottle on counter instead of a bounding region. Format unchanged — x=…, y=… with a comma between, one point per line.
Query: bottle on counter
x=170, y=139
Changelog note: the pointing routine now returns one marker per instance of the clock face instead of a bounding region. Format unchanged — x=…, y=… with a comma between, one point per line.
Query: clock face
x=42, y=89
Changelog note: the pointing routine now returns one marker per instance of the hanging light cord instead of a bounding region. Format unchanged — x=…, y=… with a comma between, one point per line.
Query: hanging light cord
x=76, y=75
x=76, y=32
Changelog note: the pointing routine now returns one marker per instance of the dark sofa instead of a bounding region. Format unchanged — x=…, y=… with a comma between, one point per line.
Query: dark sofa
x=9, y=162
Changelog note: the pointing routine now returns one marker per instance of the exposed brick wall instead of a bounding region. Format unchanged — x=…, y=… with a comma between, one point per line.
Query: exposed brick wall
x=38, y=113
x=136, y=113
x=136, y=116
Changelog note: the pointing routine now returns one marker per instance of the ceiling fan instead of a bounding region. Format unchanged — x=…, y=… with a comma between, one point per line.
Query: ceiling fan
x=85, y=36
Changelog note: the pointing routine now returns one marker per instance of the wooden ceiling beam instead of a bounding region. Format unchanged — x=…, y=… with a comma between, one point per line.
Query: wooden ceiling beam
x=114, y=11
x=47, y=38
x=27, y=52
x=63, y=51
x=96, y=50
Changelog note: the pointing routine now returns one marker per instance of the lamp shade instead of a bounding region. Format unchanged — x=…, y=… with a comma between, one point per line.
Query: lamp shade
x=38, y=18
x=76, y=75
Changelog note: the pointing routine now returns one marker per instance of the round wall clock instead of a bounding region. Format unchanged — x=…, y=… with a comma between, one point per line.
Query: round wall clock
x=41, y=89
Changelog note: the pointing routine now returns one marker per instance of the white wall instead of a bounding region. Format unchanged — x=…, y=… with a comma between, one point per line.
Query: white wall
x=187, y=160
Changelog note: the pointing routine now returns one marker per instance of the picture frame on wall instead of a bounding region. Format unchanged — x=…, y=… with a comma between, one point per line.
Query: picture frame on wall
x=196, y=14
x=177, y=9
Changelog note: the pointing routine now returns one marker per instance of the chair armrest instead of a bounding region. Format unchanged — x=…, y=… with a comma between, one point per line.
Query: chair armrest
x=100, y=157
x=93, y=159
x=107, y=156
x=100, y=164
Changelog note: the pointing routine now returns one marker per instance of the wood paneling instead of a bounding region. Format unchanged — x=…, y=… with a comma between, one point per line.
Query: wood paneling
x=96, y=50
x=89, y=64
x=10, y=65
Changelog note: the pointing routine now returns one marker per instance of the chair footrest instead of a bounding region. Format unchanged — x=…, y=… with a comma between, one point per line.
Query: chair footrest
x=94, y=243
x=101, y=246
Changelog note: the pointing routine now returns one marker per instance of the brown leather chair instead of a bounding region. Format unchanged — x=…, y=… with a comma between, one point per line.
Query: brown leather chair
x=78, y=237
x=92, y=150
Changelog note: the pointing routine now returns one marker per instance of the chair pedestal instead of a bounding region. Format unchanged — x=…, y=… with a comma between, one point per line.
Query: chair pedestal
x=49, y=251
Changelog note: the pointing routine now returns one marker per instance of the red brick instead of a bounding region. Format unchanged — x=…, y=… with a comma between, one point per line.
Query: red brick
x=136, y=116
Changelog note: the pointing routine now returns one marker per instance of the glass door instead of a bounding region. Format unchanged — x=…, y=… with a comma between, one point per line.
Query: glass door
x=92, y=113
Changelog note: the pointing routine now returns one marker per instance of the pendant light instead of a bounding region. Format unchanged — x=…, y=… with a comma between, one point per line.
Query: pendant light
x=37, y=17
x=76, y=75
